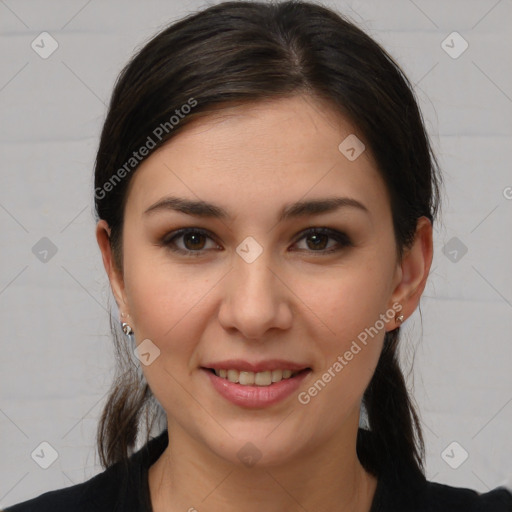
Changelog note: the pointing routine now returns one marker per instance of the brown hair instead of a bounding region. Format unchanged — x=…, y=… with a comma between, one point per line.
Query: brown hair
x=247, y=51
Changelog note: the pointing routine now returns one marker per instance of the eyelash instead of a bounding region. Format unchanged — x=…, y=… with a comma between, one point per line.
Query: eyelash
x=342, y=239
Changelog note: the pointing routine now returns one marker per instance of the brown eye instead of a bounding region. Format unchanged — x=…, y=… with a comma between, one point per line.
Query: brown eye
x=317, y=240
x=193, y=241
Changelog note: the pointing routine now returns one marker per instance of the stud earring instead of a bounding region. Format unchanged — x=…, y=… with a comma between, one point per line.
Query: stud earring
x=135, y=359
x=399, y=319
x=127, y=329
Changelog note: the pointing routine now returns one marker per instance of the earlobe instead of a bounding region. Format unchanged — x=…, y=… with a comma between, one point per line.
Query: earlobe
x=415, y=268
x=116, y=281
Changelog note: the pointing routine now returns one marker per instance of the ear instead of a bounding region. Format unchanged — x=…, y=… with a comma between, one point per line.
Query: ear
x=414, y=269
x=114, y=274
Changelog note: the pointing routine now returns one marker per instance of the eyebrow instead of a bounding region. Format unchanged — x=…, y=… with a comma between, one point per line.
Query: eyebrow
x=291, y=210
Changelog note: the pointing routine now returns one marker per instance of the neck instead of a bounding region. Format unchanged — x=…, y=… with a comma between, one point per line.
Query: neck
x=188, y=478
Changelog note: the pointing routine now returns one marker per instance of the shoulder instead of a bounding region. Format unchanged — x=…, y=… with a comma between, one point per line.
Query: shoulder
x=121, y=487
x=422, y=495
x=96, y=494
x=438, y=497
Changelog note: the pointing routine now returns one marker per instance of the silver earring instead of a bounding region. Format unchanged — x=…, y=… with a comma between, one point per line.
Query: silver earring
x=363, y=417
x=127, y=329
x=399, y=319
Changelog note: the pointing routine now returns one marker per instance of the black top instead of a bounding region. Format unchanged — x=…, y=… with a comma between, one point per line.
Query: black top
x=127, y=490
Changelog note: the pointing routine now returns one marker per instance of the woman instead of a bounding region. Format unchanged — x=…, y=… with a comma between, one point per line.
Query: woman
x=265, y=193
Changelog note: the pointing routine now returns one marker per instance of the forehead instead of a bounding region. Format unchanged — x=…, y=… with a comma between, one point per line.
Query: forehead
x=273, y=151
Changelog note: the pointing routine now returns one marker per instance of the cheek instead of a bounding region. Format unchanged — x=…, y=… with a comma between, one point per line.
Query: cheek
x=168, y=308
x=347, y=300
x=161, y=304
x=351, y=307
x=161, y=294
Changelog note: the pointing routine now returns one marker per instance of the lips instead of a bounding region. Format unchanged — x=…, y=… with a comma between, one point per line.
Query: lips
x=264, y=373
x=255, y=385
x=262, y=366
x=265, y=378
x=255, y=396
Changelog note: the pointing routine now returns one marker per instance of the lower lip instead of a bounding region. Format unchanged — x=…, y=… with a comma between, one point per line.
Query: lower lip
x=256, y=396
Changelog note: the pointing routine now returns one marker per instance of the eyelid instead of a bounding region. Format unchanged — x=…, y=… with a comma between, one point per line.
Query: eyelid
x=168, y=239
x=340, y=237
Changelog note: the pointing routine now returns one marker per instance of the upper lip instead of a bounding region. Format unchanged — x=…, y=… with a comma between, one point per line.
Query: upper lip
x=261, y=366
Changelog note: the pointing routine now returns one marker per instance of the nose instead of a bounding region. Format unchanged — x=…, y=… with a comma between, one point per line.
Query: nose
x=255, y=298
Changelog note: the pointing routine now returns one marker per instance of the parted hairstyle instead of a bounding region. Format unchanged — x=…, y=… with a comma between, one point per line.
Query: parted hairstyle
x=239, y=52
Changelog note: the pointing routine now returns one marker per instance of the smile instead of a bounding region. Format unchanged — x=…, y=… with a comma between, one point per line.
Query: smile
x=246, y=378
x=255, y=389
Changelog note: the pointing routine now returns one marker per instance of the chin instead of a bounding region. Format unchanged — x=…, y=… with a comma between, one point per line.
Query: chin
x=258, y=449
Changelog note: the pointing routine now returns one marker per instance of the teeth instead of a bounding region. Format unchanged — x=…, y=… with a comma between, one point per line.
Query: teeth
x=233, y=375
x=265, y=378
x=277, y=375
x=246, y=378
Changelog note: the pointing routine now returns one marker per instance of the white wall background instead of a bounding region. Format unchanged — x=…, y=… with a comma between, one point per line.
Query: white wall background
x=56, y=356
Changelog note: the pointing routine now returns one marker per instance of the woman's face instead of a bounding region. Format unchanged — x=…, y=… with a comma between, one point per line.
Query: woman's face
x=252, y=290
